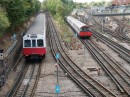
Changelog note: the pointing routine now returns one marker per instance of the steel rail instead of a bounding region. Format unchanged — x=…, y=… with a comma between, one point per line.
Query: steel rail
x=122, y=51
x=15, y=86
x=54, y=50
x=27, y=85
x=77, y=68
x=126, y=39
x=112, y=66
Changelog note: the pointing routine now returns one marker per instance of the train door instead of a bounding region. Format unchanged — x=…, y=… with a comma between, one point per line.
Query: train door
x=33, y=43
x=33, y=50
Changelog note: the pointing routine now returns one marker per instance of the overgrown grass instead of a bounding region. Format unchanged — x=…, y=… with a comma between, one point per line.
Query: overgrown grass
x=63, y=29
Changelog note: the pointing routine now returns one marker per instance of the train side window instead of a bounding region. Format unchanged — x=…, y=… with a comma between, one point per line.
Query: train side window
x=27, y=43
x=40, y=43
x=33, y=43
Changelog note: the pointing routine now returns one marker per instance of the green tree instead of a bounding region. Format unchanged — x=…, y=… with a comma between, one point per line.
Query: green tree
x=37, y=6
x=4, y=22
x=59, y=7
x=103, y=3
x=51, y=6
x=16, y=12
x=19, y=11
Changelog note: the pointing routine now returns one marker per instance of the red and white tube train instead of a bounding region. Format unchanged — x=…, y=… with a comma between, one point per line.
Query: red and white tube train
x=34, y=41
x=81, y=29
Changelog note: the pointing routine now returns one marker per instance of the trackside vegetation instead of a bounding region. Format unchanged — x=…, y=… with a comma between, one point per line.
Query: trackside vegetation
x=59, y=9
x=13, y=13
x=4, y=22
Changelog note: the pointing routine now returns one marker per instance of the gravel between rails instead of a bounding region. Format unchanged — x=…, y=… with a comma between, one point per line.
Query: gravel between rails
x=47, y=81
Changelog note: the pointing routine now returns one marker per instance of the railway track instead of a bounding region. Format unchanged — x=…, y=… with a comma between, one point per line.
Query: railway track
x=122, y=51
x=119, y=35
x=119, y=76
x=119, y=31
x=91, y=87
x=26, y=82
x=8, y=63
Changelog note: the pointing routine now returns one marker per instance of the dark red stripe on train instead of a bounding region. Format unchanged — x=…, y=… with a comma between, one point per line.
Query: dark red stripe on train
x=33, y=51
x=83, y=34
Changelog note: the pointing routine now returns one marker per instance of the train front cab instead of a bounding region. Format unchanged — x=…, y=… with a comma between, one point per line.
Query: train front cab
x=85, y=32
x=34, y=47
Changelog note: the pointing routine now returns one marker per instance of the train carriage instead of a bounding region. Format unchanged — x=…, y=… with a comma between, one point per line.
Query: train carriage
x=34, y=41
x=81, y=29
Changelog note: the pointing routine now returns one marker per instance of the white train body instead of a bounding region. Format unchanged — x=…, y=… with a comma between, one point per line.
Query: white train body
x=81, y=29
x=34, y=41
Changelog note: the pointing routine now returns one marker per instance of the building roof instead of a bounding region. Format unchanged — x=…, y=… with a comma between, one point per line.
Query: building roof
x=120, y=2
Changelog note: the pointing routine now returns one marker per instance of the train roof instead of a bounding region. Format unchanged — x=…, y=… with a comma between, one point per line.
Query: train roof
x=77, y=22
x=38, y=25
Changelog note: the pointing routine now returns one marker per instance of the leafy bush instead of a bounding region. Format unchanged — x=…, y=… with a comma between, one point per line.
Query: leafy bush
x=59, y=8
x=4, y=22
